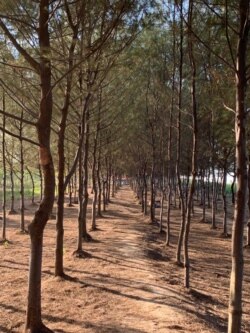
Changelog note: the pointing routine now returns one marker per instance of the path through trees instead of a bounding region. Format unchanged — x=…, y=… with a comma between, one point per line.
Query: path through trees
x=129, y=283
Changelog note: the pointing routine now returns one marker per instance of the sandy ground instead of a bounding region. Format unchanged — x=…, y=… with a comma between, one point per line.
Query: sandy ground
x=129, y=283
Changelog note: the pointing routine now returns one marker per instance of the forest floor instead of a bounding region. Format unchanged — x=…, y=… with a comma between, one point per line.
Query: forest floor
x=129, y=282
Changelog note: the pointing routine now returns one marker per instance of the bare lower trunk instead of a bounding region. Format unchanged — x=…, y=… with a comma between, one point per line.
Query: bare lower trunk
x=80, y=199
x=145, y=195
x=194, y=148
x=213, y=224
x=85, y=180
x=99, y=196
x=4, y=176
x=33, y=186
x=22, y=227
x=178, y=153
x=34, y=314
x=12, y=205
x=168, y=216
x=113, y=186
x=161, y=212
x=41, y=182
x=104, y=195
x=224, y=197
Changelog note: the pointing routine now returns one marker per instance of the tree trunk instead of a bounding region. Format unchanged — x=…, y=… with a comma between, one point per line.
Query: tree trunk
x=145, y=194
x=33, y=186
x=104, y=184
x=12, y=205
x=36, y=227
x=235, y=295
x=152, y=196
x=85, y=234
x=224, y=198
x=233, y=184
x=113, y=185
x=22, y=227
x=178, y=153
x=75, y=189
x=79, y=249
x=4, y=175
x=214, y=195
x=94, y=180
x=99, y=196
x=59, y=271
x=41, y=182
x=194, y=152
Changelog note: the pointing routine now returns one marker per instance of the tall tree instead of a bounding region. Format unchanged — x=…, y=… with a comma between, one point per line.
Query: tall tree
x=235, y=294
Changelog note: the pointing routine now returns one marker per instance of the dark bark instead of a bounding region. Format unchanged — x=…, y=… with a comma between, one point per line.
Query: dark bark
x=12, y=204
x=214, y=196
x=194, y=150
x=85, y=179
x=224, y=198
x=59, y=271
x=145, y=193
x=22, y=226
x=80, y=198
x=41, y=182
x=94, y=176
x=36, y=227
x=99, y=182
x=235, y=295
x=33, y=185
x=4, y=176
x=178, y=152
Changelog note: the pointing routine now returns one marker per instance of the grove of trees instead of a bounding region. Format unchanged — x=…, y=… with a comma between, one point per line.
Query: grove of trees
x=95, y=90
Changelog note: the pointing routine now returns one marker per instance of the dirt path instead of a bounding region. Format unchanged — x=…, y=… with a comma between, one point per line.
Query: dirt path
x=128, y=284
x=124, y=284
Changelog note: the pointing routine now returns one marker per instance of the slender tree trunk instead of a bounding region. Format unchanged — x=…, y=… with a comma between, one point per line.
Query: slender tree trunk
x=4, y=175
x=22, y=226
x=12, y=204
x=194, y=152
x=178, y=153
x=214, y=195
x=36, y=227
x=113, y=185
x=75, y=189
x=203, y=197
x=152, y=195
x=33, y=185
x=235, y=294
x=85, y=234
x=104, y=184
x=145, y=194
x=224, y=198
x=170, y=134
x=99, y=196
x=233, y=184
x=79, y=250
x=59, y=269
x=94, y=180
x=41, y=182
x=208, y=188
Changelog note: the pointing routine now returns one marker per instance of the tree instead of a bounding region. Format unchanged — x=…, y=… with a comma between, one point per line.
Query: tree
x=235, y=294
x=36, y=227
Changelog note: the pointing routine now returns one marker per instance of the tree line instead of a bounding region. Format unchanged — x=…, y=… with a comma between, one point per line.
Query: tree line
x=152, y=89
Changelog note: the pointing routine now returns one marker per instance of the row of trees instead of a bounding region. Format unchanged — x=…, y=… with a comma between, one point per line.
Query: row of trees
x=62, y=51
x=135, y=87
x=186, y=122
